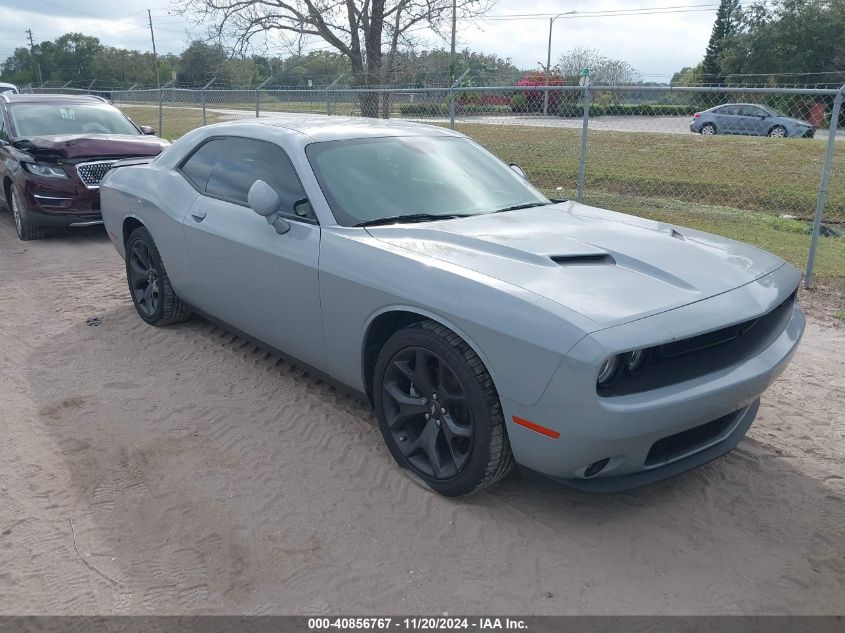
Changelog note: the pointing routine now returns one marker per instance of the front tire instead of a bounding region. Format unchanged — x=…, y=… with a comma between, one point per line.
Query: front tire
x=149, y=284
x=24, y=228
x=439, y=412
x=778, y=131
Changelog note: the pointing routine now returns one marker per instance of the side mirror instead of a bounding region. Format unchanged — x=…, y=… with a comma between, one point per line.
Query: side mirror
x=518, y=170
x=148, y=130
x=264, y=200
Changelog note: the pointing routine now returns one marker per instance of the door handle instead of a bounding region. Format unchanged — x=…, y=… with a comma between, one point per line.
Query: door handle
x=198, y=215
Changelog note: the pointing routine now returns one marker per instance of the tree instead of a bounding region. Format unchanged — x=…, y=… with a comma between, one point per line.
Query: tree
x=603, y=70
x=687, y=76
x=368, y=33
x=200, y=63
x=727, y=24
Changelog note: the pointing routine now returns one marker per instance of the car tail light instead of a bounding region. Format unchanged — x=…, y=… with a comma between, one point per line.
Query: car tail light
x=697, y=115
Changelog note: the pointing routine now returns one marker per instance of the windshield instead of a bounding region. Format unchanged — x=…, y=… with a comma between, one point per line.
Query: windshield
x=394, y=177
x=45, y=119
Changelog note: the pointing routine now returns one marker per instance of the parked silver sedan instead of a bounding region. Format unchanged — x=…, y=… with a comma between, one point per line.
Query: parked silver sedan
x=487, y=324
x=749, y=119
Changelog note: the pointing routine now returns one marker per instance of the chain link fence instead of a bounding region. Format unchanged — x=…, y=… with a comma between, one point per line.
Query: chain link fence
x=757, y=164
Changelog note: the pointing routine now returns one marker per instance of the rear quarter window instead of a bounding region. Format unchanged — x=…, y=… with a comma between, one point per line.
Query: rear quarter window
x=198, y=167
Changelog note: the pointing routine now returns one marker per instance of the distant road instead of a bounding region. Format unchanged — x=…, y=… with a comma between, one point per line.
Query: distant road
x=659, y=124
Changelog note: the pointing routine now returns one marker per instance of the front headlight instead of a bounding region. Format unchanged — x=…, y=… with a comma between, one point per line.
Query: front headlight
x=45, y=171
x=636, y=360
x=609, y=370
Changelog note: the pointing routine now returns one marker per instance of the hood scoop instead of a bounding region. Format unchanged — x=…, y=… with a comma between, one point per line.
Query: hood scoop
x=580, y=259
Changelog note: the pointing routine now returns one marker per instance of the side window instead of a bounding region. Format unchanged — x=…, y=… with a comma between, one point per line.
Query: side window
x=198, y=167
x=730, y=110
x=242, y=161
x=752, y=111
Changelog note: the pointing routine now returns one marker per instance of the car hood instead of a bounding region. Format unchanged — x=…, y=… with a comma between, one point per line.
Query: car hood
x=91, y=145
x=609, y=267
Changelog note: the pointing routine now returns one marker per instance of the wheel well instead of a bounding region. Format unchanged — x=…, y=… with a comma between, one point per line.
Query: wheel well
x=382, y=328
x=129, y=225
x=7, y=192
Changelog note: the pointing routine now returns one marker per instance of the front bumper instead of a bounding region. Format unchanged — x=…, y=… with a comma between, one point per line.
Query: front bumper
x=50, y=205
x=700, y=418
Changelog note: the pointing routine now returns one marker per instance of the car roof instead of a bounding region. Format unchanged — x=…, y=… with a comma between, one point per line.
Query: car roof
x=52, y=98
x=321, y=127
x=722, y=105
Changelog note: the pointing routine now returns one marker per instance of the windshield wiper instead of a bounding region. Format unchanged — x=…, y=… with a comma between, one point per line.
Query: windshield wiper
x=414, y=217
x=524, y=205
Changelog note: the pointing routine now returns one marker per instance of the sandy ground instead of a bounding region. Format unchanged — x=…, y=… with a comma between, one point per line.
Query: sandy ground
x=182, y=470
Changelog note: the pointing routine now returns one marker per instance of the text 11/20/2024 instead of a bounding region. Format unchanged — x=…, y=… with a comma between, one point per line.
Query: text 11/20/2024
x=441, y=623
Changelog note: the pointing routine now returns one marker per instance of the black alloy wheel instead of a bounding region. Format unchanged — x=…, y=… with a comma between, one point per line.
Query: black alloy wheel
x=439, y=411
x=144, y=279
x=428, y=413
x=149, y=284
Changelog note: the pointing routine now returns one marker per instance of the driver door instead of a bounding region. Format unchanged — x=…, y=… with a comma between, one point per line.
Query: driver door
x=244, y=273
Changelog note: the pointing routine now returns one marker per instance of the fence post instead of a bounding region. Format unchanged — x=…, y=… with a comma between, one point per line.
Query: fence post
x=582, y=157
x=328, y=94
x=258, y=97
x=823, y=187
x=160, y=111
x=455, y=84
x=202, y=92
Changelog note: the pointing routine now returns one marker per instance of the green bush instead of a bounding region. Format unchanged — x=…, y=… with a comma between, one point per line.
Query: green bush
x=479, y=108
x=442, y=109
x=519, y=103
x=424, y=109
x=626, y=109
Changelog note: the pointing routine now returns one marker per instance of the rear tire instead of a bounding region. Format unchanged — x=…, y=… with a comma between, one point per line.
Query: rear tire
x=24, y=228
x=439, y=412
x=149, y=285
x=708, y=129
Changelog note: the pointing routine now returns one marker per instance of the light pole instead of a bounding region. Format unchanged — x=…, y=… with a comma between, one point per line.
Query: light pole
x=549, y=61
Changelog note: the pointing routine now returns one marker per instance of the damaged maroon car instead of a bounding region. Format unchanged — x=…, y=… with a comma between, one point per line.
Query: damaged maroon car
x=55, y=150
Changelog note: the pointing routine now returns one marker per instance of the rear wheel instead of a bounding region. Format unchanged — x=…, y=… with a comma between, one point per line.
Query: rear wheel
x=24, y=227
x=708, y=129
x=149, y=284
x=778, y=132
x=439, y=412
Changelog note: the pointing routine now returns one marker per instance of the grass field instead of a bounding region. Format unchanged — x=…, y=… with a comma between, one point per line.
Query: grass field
x=733, y=186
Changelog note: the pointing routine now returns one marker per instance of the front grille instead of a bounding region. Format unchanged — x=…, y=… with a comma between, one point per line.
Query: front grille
x=675, y=362
x=675, y=446
x=92, y=173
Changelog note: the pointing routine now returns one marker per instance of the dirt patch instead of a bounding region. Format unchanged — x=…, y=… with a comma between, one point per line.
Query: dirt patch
x=184, y=470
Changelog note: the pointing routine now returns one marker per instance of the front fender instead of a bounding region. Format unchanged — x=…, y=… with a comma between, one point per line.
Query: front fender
x=520, y=337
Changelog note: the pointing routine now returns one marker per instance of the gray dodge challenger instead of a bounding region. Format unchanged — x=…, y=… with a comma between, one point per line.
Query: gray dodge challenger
x=486, y=324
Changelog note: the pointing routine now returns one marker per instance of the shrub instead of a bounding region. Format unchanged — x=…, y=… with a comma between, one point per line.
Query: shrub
x=424, y=109
x=442, y=109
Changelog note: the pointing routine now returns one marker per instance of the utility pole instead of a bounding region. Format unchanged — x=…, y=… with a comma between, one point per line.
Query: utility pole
x=549, y=61
x=158, y=79
x=32, y=52
x=452, y=51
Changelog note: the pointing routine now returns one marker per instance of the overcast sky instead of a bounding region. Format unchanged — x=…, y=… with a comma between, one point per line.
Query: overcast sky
x=655, y=44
